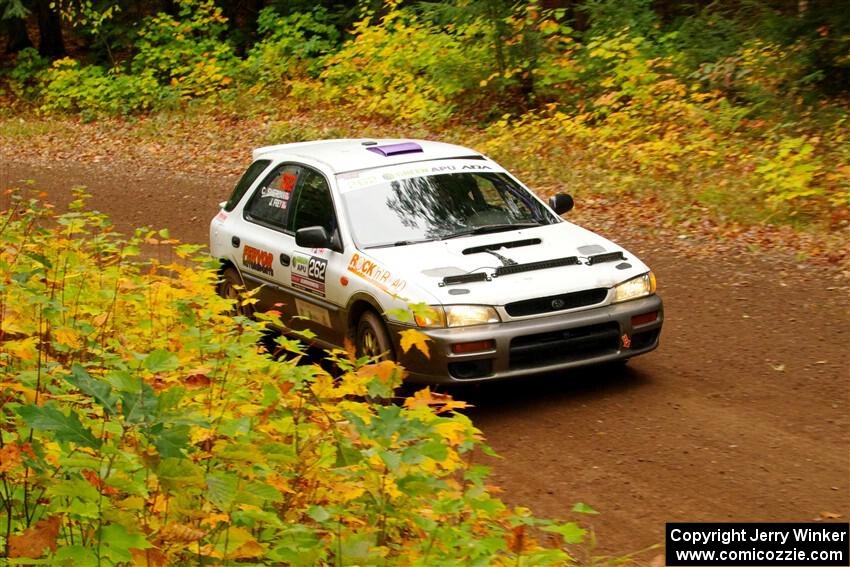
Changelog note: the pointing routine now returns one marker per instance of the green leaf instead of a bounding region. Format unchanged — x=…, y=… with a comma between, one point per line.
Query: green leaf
x=161, y=361
x=100, y=391
x=583, y=508
x=264, y=491
x=119, y=542
x=73, y=488
x=318, y=514
x=356, y=550
x=171, y=442
x=434, y=449
x=139, y=407
x=221, y=489
x=391, y=460
x=40, y=258
x=169, y=399
x=571, y=532
x=75, y=555
x=180, y=473
x=65, y=427
x=123, y=381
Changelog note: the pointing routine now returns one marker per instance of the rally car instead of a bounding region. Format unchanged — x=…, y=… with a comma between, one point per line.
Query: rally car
x=344, y=236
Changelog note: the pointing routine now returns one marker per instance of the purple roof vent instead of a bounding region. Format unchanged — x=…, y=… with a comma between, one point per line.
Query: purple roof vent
x=396, y=149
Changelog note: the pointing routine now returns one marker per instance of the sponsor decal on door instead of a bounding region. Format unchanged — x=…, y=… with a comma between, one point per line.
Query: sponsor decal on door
x=308, y=274
x=258, y=260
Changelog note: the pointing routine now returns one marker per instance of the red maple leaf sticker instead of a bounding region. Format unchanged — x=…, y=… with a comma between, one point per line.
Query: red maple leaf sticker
x=627, y=342
x=287, y=182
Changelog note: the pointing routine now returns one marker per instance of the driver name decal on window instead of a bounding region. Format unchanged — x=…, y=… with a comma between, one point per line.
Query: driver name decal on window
x=258, y=260
x=308, y=274
x=279, y=199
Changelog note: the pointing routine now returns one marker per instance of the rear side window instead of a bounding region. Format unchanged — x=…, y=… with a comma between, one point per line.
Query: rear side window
x=270, y=202
x=253, y=171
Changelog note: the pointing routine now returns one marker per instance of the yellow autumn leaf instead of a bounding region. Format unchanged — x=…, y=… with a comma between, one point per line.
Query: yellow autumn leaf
x=348, y=491
x=214, y=519
x=23, y=349
x=452, y=431
x=12, y=324
x=68, y=337
x=418, y=339
x=29, y=393
x=243, y=544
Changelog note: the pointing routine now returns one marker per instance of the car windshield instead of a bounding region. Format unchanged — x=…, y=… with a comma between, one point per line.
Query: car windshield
x=434, y=207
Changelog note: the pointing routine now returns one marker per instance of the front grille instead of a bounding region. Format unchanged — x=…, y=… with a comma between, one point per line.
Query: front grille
x=564, y=346
x=556, y=302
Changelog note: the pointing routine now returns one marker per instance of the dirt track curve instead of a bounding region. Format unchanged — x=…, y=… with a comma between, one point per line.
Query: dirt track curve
x=742, y=414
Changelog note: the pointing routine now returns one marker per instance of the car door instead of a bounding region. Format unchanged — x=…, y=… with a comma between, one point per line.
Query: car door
x=265, y=246
x=315, y=273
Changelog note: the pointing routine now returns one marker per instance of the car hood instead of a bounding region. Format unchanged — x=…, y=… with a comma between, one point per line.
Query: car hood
x=426, y=264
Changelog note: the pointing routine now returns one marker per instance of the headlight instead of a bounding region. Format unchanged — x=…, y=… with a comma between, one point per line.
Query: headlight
x=463, y=315
x=635, y=287
x=458, y=316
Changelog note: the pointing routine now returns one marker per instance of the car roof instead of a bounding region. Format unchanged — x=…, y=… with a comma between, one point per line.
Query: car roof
x=342, y=156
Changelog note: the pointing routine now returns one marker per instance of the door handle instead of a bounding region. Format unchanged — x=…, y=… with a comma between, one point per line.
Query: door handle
x=235, y=241
x=284, y=259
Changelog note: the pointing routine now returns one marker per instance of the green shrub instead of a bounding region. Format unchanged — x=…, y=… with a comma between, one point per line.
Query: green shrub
x=90, y=89
x=291, y=45
x=187, y=53
x=407, y=69
x=141, y=423
x=26, y=74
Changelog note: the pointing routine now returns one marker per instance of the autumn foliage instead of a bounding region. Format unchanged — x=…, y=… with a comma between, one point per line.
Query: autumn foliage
x=142, y=424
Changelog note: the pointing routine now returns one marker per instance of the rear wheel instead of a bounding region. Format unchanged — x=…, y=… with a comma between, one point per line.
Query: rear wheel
x=372, y=339
x=232, y=287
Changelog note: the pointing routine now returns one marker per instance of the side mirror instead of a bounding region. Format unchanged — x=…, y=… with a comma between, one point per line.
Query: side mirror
x=561, y=203
x=312, y=237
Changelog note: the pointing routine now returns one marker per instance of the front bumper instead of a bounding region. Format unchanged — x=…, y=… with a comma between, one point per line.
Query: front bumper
x=541, y=344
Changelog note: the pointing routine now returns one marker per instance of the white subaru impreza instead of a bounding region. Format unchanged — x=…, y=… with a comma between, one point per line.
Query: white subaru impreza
x=343, y=236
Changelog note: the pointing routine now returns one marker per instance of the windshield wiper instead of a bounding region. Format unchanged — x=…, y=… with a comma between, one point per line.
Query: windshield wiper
x=400, y=243
x=488, y=228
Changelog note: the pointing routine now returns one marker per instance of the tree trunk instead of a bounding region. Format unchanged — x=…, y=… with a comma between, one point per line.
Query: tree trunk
x=49, y=30
x=16, y=30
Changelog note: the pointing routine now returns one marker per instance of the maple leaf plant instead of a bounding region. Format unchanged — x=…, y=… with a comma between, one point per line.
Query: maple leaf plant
x=143, y=424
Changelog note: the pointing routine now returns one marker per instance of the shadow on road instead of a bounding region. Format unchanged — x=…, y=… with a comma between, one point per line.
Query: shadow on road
x=562, y=388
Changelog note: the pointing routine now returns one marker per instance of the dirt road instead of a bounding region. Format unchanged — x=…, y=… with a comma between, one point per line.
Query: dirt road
x=742, y=414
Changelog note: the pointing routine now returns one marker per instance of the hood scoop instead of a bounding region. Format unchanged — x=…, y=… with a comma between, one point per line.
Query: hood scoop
x=497, y=245
x=607, y=257
x=464, y=278
x=531, y=266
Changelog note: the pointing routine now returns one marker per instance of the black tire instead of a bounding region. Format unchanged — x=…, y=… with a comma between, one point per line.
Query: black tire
x=231, y=287
x=372, y=338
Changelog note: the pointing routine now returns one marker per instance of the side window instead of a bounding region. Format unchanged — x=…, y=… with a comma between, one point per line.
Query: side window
x=253, y=171
x=313, y=205
x=270, y=203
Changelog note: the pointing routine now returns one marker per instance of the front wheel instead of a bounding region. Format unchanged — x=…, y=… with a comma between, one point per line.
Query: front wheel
x=372, y=339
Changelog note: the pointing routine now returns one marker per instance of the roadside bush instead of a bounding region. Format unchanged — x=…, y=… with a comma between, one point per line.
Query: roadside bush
x=26, y=73
x=142, y=424
x=187, y=53
x=291, y=46
x=407, y=69
x=90, y=89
